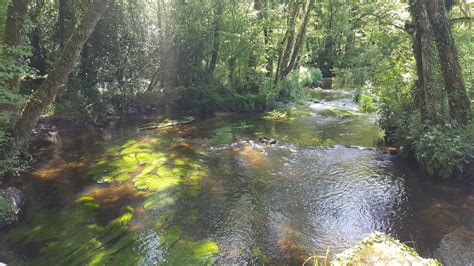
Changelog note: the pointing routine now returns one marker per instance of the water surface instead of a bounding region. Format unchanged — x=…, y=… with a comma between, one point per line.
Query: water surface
x=208, y=192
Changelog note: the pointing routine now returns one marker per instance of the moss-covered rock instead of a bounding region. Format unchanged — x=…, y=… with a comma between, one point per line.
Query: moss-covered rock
x=381, y=249
x=11, y=201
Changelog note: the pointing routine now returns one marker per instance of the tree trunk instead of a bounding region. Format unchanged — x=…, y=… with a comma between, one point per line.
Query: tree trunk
x=269, y=59
x=216, y=41
x=423, y=54
x=288, y=42
x=300, y=39
x=434, y=42
x=59, y=74
x=290, y=56
x=38, y=60
x=267, y=31
x=16, y=14
x=66, y=21
x=458, y=98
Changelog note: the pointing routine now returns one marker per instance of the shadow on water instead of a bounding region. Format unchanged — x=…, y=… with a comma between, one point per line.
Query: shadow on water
x=208, y=191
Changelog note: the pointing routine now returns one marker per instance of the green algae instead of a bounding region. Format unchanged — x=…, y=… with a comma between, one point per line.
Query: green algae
x=88, y=202
x=163, y=123
x=157, y=182
x=341, y=113
x=287, y=114
x=71, y=237
x=185, y=252
x=114, y=169
x=260, y=255
x=165, y=175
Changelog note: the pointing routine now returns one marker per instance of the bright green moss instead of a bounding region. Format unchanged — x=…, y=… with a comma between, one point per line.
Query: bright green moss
x=157, y=182
x=192, y=253
x=88, y=202
x=260, y=255
x=287, y=114
x=73, y=239
x=340, y=113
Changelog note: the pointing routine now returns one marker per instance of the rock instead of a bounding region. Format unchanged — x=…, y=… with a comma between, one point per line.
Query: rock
x=17, y=196
x=11, y=202
x=268, y=141
x=380, y=249
x=457, y=247
x=9, y=257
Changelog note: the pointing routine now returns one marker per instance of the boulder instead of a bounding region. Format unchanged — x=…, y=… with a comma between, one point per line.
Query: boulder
x=457, y=247
x=11, y=202
x=380, y=249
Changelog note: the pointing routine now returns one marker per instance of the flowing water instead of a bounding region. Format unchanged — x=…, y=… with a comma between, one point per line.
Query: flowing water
x=209, y=192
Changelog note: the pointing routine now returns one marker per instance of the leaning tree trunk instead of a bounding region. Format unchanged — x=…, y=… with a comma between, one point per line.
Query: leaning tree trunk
x=59, y=75
x=458, y=98
x=66, y=21
x=300, y=39
x=289, y=58
x=288, y=41
x=16, y=14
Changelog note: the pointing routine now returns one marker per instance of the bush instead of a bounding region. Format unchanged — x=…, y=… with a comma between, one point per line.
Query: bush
x=290, y=87
x=310, y=77
x=366, y=104
x=350, y=77
x=442, y=151
x=70, y=103
x=10, y=161
x=400, y=119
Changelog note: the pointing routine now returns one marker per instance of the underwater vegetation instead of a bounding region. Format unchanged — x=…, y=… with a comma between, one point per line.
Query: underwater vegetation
x=95, y=231
x=288, y=114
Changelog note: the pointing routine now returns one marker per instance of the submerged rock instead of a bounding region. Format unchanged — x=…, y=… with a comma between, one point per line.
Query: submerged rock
x=11, y=202
x=268, y=141
x=381, y=249
x=457, y=247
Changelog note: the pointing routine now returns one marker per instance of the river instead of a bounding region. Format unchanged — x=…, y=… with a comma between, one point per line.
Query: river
x=209, y=192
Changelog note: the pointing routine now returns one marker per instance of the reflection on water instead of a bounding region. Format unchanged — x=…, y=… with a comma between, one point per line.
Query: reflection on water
x=208, y=192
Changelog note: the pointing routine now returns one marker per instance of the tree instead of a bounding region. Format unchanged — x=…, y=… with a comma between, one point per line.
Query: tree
x=12, y=35
x=293, y=40
x=59, y=74
x=435, y=52
x=16, y=14
x=216, y=40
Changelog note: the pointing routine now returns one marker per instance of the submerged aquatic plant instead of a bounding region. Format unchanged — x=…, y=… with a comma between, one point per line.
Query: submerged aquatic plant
x=167, y=172
x=287, y=114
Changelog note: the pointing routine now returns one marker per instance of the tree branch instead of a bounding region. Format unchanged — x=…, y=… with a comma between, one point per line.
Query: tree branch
x=461, y=19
